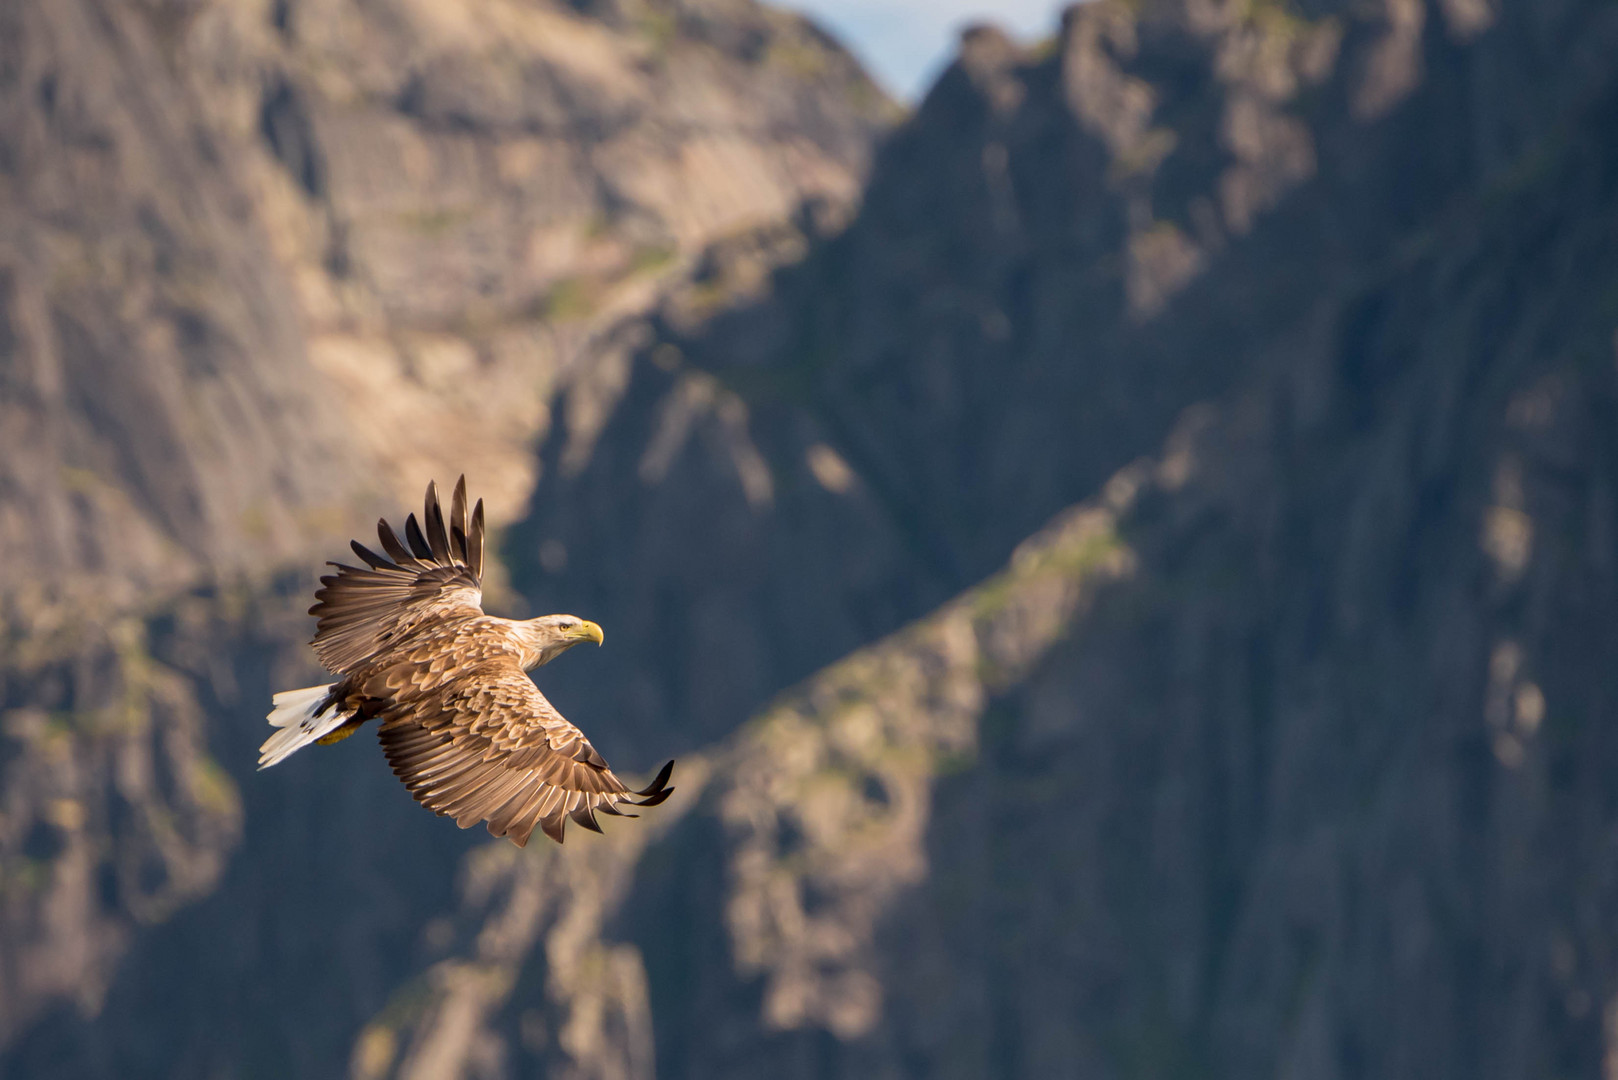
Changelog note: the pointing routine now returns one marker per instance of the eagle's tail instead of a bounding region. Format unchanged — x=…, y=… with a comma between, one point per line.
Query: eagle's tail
x=303, y=716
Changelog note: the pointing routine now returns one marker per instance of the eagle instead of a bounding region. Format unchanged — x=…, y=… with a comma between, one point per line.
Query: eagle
x=459, y=719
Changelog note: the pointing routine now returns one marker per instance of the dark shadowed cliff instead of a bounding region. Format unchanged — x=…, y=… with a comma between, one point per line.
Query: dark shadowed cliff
x=1133, y=594
x=1056, y=255
x=1313, y=787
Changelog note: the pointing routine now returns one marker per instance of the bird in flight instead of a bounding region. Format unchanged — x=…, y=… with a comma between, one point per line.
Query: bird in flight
x=460, y=721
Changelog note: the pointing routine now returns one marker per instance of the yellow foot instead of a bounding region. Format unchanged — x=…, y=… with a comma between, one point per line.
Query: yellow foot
x=341, y=733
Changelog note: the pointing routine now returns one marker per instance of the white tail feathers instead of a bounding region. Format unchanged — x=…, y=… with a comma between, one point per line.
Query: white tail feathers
x=295, y=714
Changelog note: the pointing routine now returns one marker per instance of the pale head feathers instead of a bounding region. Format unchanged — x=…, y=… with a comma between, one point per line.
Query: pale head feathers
x=549, y=636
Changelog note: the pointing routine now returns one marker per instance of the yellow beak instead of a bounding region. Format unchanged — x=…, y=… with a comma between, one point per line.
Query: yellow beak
x=589, y=631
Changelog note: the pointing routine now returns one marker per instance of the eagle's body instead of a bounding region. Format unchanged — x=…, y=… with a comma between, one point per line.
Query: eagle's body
x=461, y=723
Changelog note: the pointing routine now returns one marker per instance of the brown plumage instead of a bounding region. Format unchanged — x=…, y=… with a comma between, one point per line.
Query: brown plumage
x=461, y=723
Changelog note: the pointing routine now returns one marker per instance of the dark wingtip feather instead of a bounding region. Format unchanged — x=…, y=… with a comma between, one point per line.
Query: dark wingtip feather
x=657, y=787
x=458, y=522
x=432, y=516
x=475, y=542
x=390, y=543
x=372, y=559
x=418, y=542
x=554, y=824
x=585, y=819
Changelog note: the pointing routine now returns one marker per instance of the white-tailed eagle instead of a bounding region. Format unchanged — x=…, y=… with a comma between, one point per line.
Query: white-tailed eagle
x=461, y=722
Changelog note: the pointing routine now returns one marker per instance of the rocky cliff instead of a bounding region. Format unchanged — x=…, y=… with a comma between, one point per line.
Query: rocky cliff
x=1286, y=798
x=159, y=411
x=1060, y=251
x=1163, y=541
x=265, y=264
x=263, y=268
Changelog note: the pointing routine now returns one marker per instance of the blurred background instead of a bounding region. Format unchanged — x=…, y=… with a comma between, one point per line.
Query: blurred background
x=1116, y=515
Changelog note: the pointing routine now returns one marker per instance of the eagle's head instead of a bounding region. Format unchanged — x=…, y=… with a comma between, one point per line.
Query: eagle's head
x=549, y=636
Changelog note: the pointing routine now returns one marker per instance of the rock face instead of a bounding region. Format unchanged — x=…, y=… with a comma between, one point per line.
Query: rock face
x=1350, y=707
x=263, y=268
x=469, y=195
x=159, y=416
x=1163, y=540
x=264, y=264
x=1055, y=256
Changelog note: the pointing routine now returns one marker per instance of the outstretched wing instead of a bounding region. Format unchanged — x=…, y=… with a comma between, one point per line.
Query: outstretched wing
x=489, y=747
x=364, y=609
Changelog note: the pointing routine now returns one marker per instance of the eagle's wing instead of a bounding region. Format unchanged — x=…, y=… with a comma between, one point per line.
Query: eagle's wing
x=489, y=747
x=363, y=610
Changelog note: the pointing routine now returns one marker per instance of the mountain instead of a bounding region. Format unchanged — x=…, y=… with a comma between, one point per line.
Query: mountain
x=1059, y=253
x=264, y=269
x=1296, y=794
x=160, y=412
x=1131, y=595
x=247, y=247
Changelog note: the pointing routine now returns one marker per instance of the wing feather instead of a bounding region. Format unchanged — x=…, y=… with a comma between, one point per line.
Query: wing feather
x=585, y=817
x=417, y=542
x=372, y=559
x=499, y=790
x=474, y=544
x=500, y=821
x=390, y=544
x=432, y=516
x=362, y=610
x=458, y=524
x=527, y=817
x=488, y=747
